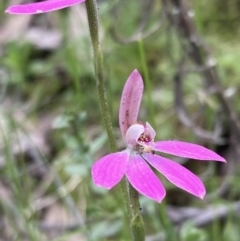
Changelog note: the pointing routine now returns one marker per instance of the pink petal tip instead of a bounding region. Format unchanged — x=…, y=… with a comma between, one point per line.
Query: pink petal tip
x=143, y=179
x=187, y=150
x=177, y=174
x=41, y=7
x=110, y=169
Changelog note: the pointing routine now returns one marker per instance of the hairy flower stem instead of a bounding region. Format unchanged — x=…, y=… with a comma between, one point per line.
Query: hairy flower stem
x=136, y=224
x=130, y=194
x=93, y=21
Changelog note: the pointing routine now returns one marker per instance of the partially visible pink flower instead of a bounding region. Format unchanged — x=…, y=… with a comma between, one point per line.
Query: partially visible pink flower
x=42, y=7
x=140, y=154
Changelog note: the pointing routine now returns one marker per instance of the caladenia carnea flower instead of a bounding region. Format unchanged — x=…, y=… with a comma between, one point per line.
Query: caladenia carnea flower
x=141, y=153
x=42, y=7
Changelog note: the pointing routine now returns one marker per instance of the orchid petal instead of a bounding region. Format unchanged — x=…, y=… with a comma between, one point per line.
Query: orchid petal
x=110, y=169
x=42, y=7
x=133, y=134
x=143, y=179
x=177, y=174
x=130, y=101
x=187, y=150
x=150, y=131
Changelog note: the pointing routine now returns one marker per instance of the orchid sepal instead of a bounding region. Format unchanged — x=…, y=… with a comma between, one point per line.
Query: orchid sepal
x=130, y=101
x=41, y=7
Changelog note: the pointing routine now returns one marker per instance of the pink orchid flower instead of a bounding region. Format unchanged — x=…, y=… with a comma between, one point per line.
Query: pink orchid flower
x=140, y=153
x=42, y=7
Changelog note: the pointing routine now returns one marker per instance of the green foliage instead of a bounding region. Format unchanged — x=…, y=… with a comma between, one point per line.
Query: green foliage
x=190, y=233
x=231, y=231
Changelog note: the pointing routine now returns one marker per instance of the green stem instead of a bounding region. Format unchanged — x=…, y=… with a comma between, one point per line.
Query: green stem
x=93, y=21
x=136, y=224
x=130, y=194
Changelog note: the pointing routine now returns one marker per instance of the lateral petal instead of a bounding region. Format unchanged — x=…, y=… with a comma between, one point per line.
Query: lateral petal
x=130, y=101
x=150, y=131
x=42, y=7
x=110, y=169
x=143, y=179
x=177, y=174
x=187, y=150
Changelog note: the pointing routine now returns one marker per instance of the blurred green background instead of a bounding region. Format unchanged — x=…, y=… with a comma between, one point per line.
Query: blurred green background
x=51, y=131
